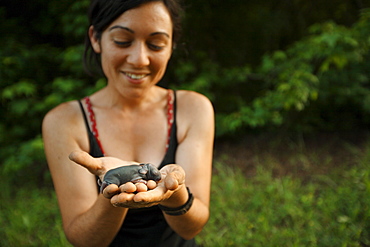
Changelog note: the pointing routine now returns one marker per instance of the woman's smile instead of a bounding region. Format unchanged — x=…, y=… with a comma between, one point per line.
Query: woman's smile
x=135, y=76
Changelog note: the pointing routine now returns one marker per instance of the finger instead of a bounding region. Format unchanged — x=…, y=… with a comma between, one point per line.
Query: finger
x=140, y=187
x=176, y=171
x=175, y=177
x=171, y=182
x=156, y=195
x=151, y=184
x=84, y=159
x=122, y=199
x=128, y=187
x=110, y=191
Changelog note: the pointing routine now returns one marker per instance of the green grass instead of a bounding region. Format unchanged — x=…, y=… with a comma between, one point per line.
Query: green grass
x=263, y=208
x=30, y=217
x=267, y=211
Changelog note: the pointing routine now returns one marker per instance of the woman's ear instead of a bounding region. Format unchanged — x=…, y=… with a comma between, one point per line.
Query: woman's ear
x=95, y=43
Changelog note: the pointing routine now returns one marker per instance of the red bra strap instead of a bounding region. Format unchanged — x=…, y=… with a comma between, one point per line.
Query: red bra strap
x=169, y=116
x=93, y=122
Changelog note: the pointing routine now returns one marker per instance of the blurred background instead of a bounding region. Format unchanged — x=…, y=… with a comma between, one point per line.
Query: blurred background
x=289, y=81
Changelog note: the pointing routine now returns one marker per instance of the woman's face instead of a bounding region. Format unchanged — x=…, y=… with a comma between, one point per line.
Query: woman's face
x=136, y=47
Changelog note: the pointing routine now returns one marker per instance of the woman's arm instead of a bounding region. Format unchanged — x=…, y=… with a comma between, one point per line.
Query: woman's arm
x=195, y=120
x=88, y=218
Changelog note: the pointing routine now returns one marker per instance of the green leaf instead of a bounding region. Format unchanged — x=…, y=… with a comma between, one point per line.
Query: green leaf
x=22, y=88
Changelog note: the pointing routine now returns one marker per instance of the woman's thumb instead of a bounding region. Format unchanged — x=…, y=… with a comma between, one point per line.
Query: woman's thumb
x=84, y=159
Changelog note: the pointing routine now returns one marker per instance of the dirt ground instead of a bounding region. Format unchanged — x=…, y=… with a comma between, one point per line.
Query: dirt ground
x=303, y=156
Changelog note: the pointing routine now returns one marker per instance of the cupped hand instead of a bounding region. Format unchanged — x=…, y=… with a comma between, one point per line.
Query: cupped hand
x=135, y=196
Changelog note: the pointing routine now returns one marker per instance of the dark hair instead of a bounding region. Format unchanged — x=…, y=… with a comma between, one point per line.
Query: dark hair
x=103, y=12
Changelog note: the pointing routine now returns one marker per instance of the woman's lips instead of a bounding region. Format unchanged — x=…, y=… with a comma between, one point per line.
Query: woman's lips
x=135, y=78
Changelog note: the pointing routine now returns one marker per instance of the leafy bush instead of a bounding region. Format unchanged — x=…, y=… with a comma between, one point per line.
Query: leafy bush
x=37, y=76
x=307, y=87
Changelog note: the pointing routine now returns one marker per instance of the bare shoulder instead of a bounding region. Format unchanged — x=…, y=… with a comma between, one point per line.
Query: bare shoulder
x=190, y=102
x=64, y=123
x=63, y=114
x=64, y=130
x=195, y=116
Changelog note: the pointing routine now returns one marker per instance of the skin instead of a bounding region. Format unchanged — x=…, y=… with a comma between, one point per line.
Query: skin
x=132, y=123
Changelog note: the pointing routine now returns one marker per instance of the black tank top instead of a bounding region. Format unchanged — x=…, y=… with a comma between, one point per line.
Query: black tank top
x=146, y=226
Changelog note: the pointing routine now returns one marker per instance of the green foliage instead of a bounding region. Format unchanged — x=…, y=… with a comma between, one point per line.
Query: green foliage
x=324, y=72
x=27, y=165
x=75, y=20
x=234, y=33
x=37, y=76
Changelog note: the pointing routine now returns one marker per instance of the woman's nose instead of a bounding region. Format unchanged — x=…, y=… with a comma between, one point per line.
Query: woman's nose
x=138, y=56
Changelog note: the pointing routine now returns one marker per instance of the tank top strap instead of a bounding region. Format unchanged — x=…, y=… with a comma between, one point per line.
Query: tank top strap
x=95, y=150
x=172, y=143
x=170, y=115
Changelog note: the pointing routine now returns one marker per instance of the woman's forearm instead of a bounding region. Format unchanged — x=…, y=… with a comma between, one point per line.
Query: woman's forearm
x=96, y=227
x=189, y=224
x=192, y=222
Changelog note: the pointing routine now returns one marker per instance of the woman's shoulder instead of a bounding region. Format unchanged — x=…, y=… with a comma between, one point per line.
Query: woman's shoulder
x=192, y=98
x=195, y=116
x=64, y=114
x=64, y=125
x=192, y=102
x=193, y=109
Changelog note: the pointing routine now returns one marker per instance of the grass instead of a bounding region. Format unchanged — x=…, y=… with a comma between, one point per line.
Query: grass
x=30, y=216
x=269, y=211
x=300, y=197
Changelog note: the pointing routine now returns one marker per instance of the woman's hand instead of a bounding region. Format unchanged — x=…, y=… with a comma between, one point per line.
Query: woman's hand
x=132, y=195
x=137, y=196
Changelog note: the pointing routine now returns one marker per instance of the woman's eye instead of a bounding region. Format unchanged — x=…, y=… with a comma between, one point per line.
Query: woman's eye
x=155, y=47
x=122, y=43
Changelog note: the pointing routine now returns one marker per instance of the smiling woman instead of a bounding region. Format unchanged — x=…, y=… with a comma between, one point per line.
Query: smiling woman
x=108, y=14
x=128, y=122
x=135, y=51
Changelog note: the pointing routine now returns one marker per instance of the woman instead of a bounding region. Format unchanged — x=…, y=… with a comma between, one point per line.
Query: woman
x=132, y=119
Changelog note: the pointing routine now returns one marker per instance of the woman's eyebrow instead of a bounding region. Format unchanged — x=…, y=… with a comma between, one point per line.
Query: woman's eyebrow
x=121, y=27
x=160, y=33
x=132, y=31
